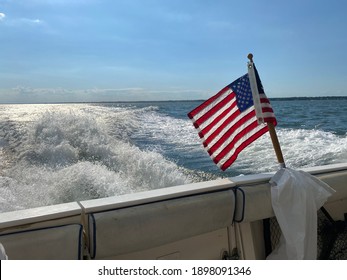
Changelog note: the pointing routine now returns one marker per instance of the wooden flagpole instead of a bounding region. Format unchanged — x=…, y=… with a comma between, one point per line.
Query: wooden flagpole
x=276, y=145
x=273, y=135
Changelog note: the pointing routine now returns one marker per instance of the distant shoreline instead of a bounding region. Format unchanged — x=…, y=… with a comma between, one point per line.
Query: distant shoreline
x=183, y=100
x=283, y=98
x=310, y=98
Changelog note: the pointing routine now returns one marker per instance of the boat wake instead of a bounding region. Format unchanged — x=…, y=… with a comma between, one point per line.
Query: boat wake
x=51, y=154
x=70, y=154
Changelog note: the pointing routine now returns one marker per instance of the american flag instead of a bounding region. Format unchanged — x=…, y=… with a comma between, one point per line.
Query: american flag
x=227, y=122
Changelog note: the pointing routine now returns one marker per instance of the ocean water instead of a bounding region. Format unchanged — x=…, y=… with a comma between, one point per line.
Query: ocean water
x=56, y=153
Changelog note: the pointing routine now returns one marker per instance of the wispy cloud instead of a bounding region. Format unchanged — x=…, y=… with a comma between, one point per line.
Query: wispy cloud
x=30, y=21
x=2, y=16
x=18, y=22
x=10, y=21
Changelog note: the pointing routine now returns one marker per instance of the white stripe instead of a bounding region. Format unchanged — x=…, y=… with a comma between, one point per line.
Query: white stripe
x=239, y=143
x=213, y=117
x=268, y=115
x=209, y=107
x=232, y=136
x=217, y=125
x=227, y=128
x=266, y=105
x=217, y=113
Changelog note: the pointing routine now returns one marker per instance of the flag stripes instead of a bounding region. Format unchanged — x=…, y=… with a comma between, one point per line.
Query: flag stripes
x=224, y=128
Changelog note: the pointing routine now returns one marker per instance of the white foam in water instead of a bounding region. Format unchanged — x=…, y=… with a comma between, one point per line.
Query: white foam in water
x=67, y=153
x=313, y=147
x=178, y=132
x=300, y=147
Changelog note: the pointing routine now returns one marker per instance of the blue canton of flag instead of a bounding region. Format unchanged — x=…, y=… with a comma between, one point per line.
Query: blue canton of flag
x=242, y=89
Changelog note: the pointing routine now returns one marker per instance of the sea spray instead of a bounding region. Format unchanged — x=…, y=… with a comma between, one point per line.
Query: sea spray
x=69, y=155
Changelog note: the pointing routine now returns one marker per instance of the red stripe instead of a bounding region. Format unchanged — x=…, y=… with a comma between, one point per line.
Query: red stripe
x=264, y=100
x=214, y=123
x=219, y=129
x=218, y=118
x=267, y=110
x=271, y=120
x=243, y=146
x=207, y=102
x=231, y=145
x=214, y=110
x=231, y=130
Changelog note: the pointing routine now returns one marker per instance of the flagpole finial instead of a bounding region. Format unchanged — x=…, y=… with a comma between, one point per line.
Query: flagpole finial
x=250, y=57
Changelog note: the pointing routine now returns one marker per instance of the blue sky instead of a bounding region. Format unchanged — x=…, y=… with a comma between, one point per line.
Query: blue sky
x=117, y=50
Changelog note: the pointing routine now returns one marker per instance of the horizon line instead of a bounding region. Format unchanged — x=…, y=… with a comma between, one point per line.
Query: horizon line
x=174, y=100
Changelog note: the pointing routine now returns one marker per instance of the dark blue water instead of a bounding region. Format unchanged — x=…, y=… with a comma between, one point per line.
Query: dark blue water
x=328, y=115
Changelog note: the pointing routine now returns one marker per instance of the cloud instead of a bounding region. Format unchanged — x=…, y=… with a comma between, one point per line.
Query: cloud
x=20, y=21
x=30, y=21
x=24, y=22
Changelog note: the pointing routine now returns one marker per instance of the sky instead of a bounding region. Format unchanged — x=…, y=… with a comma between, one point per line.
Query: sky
x=134, y=50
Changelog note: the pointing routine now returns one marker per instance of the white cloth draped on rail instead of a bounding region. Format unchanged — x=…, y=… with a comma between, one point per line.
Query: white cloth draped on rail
x=3, y=255
x=296, y=197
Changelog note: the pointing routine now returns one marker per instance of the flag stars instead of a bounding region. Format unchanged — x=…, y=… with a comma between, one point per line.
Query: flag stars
x=242, y=89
